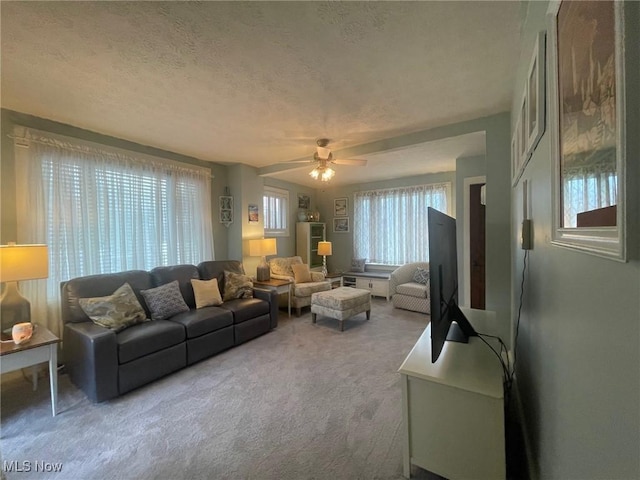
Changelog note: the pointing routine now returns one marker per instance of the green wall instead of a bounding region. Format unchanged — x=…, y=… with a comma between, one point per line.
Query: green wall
x=578, y=369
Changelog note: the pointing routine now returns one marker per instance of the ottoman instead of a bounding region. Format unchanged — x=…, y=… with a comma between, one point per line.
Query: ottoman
x=341, y=303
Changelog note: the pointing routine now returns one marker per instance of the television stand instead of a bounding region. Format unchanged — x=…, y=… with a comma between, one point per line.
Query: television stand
x=453, y=410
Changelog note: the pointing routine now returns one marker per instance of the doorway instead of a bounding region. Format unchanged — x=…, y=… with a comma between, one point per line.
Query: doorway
x=477, y=243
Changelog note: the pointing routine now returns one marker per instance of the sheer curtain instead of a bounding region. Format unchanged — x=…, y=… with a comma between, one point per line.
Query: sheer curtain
x=390, y=225
x=103, y=210
x=585, y=189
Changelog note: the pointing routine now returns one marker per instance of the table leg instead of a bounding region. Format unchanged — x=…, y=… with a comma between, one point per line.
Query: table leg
x=34, y=377
x=53, y=376
x=289, y=300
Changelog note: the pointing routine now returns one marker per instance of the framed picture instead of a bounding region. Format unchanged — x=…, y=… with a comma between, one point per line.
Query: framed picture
x=340, y=207
x=304, y=202
x=536, y=94
x=341, y=225
x=253, y=213
x=225, y=203
x=587, y=122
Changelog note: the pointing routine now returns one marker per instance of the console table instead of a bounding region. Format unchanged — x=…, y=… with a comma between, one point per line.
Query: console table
x=453, y=410
x=41, y=347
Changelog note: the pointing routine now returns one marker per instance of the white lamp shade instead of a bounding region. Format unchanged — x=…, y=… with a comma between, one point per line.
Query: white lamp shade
x=23, y=262
x=262, y=247
x=324, y=248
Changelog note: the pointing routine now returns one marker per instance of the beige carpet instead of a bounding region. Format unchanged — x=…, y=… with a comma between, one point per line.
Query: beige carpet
x=304, y=401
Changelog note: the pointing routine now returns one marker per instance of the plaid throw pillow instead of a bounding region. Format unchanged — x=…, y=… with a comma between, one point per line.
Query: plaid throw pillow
x=421, y=276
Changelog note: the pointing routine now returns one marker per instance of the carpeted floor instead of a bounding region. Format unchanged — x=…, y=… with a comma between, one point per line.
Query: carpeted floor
x=302, y=402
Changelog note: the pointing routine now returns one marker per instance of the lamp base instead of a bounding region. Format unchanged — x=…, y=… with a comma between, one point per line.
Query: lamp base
x=263, y=272
x=14, y=308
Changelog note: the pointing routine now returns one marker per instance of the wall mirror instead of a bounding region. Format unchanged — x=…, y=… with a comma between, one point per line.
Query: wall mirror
x=586, y=79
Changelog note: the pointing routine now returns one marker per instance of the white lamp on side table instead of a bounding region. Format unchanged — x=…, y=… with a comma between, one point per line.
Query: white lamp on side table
x=261, y=248
x=324, y=249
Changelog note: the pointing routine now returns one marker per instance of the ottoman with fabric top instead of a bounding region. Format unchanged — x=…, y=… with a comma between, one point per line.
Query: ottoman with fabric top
x=341, y=303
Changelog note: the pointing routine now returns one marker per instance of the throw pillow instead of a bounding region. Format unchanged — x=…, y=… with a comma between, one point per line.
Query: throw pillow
x=165, y=301
x=237, y=285
x=421, y=275
x=117, y=311
x=207, y=292
x=301, y=273
x=357, y=264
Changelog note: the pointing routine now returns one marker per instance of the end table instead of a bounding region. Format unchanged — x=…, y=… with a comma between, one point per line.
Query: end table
x=41, y=347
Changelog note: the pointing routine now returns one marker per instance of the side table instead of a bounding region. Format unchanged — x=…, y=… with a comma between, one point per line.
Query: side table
x=41, y=347
x=335, y=279
x=279, y=286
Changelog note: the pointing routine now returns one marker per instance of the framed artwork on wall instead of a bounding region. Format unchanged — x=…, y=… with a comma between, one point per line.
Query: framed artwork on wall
x=226, y=209
x=587, y=125
x=536, y=93
x=304, y=202
x=253, y=213
x=340, y=207
x=341, y=225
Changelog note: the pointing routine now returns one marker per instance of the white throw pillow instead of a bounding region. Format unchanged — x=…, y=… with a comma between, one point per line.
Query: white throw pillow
x=207, y=292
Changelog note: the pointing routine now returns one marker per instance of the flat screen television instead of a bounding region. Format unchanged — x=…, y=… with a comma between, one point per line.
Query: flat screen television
x=447, y=320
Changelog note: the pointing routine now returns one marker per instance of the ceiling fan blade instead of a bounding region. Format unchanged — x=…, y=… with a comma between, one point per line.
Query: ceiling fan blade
x=300, y=161
x=350, y=161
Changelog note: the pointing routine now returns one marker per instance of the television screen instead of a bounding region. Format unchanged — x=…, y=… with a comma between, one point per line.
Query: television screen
x=443, y=273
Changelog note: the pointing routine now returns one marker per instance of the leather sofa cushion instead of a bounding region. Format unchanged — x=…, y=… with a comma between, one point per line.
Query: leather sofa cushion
x=246, y=308
x=148, y=337
x=183, y=274
x=100, y=285
x=204, y=320
x=412, y=289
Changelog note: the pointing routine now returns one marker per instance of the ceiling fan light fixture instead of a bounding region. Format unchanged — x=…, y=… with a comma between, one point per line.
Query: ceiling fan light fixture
x=327, y=174
x=322, y=173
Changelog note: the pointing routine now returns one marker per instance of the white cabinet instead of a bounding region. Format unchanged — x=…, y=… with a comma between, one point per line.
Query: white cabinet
x=308, y=234
x=453, y=410
x=378, y=287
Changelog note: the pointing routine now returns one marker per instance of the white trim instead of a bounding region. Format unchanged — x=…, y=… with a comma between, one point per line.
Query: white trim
x=282, y=193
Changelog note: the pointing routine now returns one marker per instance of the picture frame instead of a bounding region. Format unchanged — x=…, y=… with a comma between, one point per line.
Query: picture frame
x=340, y=207
x=225, y=204
x=341, y=225
x=593, y=58
x=253, y=213
x=536, y=93
x=304, y=202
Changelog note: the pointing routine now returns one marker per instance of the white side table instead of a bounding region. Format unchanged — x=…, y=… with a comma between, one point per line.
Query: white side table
x=41, y=347
x=279, y=286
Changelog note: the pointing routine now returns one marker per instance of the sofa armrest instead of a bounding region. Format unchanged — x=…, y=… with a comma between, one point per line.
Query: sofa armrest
x=283, y=277
x=91, y=357
x=272, y=297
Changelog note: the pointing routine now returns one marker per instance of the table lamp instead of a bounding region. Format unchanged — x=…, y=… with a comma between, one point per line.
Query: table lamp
x=324, y=249
x=17, y=263
x=262, y=247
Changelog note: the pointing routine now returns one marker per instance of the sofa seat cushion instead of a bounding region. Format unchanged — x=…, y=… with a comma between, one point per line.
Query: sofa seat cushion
x=204, y=320
x=413, y=289
x=246, y=308
x=146, y=338
x=306, y=289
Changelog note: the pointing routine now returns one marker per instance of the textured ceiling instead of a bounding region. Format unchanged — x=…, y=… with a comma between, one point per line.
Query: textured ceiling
x=258, y=82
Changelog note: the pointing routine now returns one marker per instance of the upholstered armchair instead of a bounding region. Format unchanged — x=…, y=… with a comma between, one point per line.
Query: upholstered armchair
x=407, y=292
x=291, y=268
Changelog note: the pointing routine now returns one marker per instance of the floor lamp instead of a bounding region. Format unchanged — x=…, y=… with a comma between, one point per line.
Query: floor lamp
x=17, y=263
x=324, y=249
x=261, y=248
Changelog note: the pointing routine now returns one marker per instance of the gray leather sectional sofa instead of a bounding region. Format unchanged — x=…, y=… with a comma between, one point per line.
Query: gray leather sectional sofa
x=105, y=364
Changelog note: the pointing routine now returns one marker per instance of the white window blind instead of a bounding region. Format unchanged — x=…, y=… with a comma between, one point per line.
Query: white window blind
x=276, y=212
x=101, y=210
x=390, y=225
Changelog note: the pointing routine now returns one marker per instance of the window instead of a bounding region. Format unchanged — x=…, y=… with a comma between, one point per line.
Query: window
x=103, y=210
x=276, y=212
x=390, y=226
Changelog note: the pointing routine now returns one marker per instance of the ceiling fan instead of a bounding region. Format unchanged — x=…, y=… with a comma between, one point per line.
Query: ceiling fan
x=324, y=158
